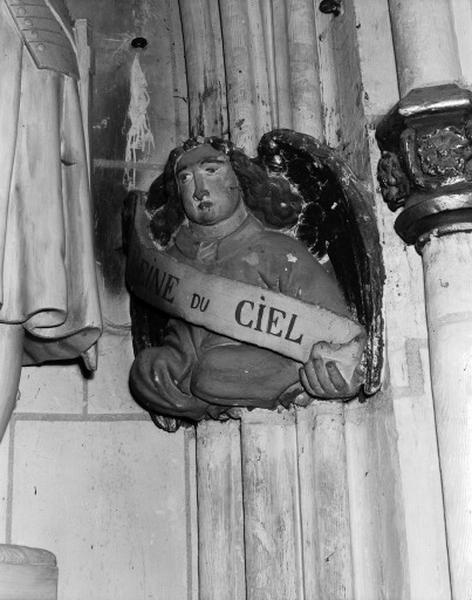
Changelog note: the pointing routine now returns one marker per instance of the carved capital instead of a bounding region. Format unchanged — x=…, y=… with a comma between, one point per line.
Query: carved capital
x=426, y=162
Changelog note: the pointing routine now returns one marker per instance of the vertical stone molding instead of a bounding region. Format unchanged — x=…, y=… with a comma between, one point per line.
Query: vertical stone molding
x=324, y=502
x=250, y=67
x=425, y=43
x=246, y=74
x=220, y=512
x=425, y=169
x=304, y=68
x=271, y=506
x=205, y=67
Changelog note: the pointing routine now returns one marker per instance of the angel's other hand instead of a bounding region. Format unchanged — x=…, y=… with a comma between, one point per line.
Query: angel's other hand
x=334, y=370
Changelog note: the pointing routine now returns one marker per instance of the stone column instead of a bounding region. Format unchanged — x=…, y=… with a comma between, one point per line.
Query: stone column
x=425, y=43
x=426, y=168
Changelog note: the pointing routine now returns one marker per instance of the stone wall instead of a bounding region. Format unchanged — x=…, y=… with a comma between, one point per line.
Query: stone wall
x=86, y=475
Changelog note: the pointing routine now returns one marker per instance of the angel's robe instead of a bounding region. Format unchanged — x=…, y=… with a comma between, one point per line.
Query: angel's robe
x=197, y=373
x=47, y=267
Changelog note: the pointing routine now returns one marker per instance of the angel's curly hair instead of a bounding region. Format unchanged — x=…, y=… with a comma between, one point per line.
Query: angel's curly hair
x=270, y=199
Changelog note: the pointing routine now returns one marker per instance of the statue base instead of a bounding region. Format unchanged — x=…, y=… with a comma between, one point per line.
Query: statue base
x=27, y=573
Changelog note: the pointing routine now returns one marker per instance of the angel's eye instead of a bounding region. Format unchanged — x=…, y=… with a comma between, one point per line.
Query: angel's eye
x=185, y=177
x=211, y=170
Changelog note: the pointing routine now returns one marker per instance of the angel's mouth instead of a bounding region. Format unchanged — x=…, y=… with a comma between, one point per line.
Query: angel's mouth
x=205, y=205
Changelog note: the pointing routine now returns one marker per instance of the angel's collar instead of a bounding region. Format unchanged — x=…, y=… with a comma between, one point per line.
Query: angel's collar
x=211, y=233
x=244, y=226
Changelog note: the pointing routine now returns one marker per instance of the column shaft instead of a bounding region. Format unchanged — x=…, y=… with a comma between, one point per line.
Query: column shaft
x=425, y=43
x=447, y=264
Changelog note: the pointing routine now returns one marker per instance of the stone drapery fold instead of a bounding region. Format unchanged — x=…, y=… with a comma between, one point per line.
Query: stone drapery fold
x=47, y=267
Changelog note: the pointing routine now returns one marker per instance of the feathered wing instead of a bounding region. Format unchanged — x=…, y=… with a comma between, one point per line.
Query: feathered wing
x=336, y=221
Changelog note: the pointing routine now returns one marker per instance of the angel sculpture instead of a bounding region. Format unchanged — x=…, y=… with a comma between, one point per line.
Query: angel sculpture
x=230, y=248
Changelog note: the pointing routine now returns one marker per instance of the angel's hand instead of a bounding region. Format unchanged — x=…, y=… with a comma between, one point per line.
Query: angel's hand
x=334, y=370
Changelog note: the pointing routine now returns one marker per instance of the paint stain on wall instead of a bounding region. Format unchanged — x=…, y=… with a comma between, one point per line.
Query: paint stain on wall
x=139, y=137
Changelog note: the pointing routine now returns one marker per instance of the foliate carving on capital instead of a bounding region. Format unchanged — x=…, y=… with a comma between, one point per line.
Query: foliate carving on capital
x=446, y=153
x=438, y=155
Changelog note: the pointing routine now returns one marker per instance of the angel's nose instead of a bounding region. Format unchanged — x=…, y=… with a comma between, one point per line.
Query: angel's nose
x=200, y=190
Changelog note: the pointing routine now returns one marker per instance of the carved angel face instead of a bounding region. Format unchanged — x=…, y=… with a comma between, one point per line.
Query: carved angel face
x=207, y=184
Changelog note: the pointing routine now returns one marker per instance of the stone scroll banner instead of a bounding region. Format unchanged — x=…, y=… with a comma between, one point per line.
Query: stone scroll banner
x=241, y=311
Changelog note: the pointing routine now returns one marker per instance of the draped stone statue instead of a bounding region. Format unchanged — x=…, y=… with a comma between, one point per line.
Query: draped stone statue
x=49, y=308
x=220, y=244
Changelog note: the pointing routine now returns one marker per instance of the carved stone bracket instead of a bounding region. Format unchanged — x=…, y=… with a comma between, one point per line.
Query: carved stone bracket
x=426, y=162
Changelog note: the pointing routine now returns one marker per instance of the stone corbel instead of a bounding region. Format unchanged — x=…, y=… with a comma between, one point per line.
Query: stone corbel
x=426, y=167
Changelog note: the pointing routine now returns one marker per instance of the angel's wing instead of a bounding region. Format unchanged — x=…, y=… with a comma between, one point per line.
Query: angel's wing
x=336, y=221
